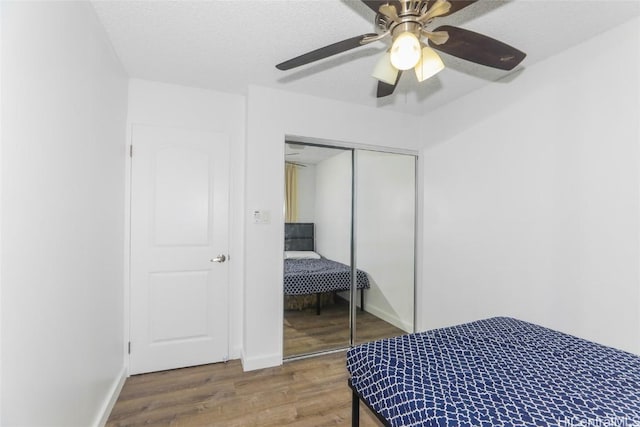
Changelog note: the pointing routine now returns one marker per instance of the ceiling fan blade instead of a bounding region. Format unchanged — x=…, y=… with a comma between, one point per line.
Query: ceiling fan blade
x=375, y=4
x=325, y=52
x=478, y=48
x=456, y=5
x=385, y=89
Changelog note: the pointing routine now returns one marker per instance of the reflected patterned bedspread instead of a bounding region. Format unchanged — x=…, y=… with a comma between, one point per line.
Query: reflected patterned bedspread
x=310, y=276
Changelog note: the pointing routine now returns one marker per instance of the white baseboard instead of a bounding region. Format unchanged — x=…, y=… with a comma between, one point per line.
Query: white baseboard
x=384, y=315
x=388, y=317
x=110, y=400
x=261, y=362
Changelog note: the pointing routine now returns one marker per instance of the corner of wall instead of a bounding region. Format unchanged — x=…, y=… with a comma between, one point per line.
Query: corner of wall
x=260, y=362
x=110, y=399
x=419, y=323
x=1, y=142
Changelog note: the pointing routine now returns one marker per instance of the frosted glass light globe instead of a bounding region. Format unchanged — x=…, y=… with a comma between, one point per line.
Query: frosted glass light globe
x=405, y=51
x=385, y=71
x=429, y=65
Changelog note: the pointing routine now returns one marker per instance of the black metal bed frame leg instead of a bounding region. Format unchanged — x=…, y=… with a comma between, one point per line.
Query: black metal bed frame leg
x=361, y=299
x=318, y=304
x=355, y=409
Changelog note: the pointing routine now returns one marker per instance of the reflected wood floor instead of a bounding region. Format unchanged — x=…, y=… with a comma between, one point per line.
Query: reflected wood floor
x=308, y=392
x=305, y=332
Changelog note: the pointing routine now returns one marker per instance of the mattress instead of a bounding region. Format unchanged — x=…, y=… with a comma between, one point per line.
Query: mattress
x=310, y=276
x=496, y=372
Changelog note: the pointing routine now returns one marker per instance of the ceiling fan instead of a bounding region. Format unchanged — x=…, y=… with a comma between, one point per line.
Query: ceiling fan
x=408, y=23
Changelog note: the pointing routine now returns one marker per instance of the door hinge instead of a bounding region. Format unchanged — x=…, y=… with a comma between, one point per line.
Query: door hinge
x=131, y=150
x=129, y=347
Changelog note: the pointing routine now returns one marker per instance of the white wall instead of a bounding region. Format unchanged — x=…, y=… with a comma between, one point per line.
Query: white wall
x=161, y=104
x=333, y=208
x=385, y=233
x=306, y=193
x=532, y=211
x=63, y=147
x=1, y=141
x=272, y=114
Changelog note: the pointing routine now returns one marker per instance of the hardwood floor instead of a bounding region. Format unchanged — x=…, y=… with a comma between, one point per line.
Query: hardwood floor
x=307, y=392
x=305, y=332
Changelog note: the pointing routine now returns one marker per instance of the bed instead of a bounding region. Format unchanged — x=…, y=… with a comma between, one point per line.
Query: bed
x=311, y=275
x=495, y=372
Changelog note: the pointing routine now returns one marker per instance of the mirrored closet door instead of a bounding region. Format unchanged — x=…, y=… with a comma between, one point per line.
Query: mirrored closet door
x=317, y=265
x=385, y=243
x=343, y=205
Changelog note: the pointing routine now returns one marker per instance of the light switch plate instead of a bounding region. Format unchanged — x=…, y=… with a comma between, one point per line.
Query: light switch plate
x=261, y=217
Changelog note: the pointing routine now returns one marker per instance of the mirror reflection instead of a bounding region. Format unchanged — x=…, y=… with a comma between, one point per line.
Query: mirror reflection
x=317, y=248
x=318, y=233
x=385, y=242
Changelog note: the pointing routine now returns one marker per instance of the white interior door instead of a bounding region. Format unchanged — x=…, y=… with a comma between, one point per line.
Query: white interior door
x=179, y=229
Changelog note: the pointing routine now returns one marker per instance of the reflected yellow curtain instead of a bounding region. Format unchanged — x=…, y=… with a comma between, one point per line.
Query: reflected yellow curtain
x=291, y=193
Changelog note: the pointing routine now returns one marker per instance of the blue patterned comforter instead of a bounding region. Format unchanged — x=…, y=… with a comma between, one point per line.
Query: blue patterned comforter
x=310, y=276
x=497, y=372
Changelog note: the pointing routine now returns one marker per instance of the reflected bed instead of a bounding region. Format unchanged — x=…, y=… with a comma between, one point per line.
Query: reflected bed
x=306, y=273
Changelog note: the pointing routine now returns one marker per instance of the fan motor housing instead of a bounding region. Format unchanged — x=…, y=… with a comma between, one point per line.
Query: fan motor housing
x=409, y=10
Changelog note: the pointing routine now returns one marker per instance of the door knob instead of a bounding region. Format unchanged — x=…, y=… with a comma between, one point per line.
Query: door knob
x=219, y=258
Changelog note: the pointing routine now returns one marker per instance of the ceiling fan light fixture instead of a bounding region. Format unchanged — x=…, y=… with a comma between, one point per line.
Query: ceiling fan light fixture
x=385, y=71
x=407, y=21
x=429, y=65
x=405, y=51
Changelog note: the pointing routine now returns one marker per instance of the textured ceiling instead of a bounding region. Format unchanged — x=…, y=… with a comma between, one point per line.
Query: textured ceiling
x=228, y=45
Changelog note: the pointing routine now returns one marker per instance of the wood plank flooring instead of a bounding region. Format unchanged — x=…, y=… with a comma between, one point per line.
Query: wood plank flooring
x=308, y=392
x=305, y=332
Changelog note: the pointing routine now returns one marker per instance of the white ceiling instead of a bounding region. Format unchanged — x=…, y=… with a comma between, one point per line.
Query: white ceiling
x=228, y=45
